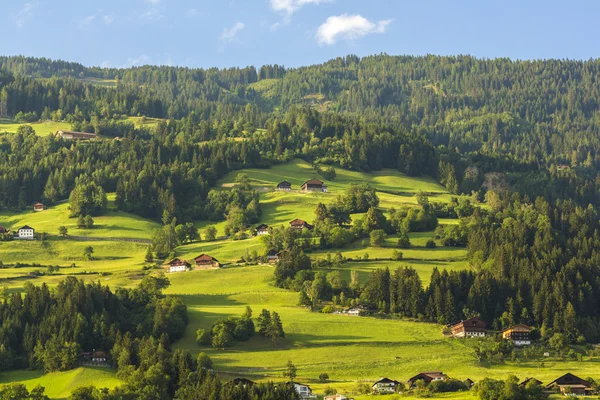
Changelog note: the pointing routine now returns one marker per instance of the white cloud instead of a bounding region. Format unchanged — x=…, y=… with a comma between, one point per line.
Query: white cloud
x=291, y=6
x=108, y=19
x=137, y=61
x=230, y=34
x=348, y=27
x=152, y=14
x=152, y=1
x=86, y=21
x=194, y=13
x=24, y=14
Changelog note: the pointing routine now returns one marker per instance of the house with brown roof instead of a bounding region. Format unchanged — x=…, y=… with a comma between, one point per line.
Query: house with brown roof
x=274, y=256
x=570, y=384
x=262, y=229
x=426, y=377
x=38, y=207
x=70, y=135
x=472, y=327
x=284, y=186
x=300, y=224
x=385, y=386
x=519, y=334
x=313, y=185
x=179, y=265
x=204, y=261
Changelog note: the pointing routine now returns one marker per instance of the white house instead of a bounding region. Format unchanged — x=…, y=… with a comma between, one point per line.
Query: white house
x=178, y=265
x=262, y=229
x=304, y=391
x=385, y=386
x=26, y=232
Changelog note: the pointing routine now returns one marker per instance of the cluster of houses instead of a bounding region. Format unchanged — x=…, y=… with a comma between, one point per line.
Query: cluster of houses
x=203, y=261
x=519, y=334
x=311, y=185
x=23, y=233
x=566, y=384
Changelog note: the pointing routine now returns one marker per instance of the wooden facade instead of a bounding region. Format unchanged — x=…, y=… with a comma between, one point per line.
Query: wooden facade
x=519, y=334
x=301, y=224
x=284, y=186
x=313, y=185
x=472, y=327
x=571, y=384
x=427, y=377
x=70, y=135
x=204, y=261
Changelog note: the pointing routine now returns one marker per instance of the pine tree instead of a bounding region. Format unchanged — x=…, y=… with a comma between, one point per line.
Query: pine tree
x=275, y=331
x=263, y=322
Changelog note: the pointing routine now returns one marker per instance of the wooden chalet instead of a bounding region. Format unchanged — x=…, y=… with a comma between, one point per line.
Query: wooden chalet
x=262, y=229
x=426, y=377
x=38, y=207
x=274, y=257
x=519, y=334
x=527, y=380
x=242, y=382
x=179, y=265
x=472, y=327
x=570, y=384
x=313, y=185
x=284, y=186
x=204, y=261
x=301, y=224
x=385, y=386
x=78, y=136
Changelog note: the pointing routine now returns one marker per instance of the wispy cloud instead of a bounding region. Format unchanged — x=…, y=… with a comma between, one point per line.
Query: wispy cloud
x=137, y=61
x=108, y=19
x=86, y=21
x=194, y=13
x=229, y=35
x=289, y=7
x=348, y=27
x=152, y=14
x=152, y=1
x=24, y=14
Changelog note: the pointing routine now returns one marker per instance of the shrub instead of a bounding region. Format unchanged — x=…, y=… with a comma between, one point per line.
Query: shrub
x=203, y=337
x=327, y=310
x=430, y=244
x=324, y=377
x=204, y=361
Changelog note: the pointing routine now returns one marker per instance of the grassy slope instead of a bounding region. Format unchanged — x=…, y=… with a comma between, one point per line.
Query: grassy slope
x=41, y=128
x=347, y=348
x=59, y=385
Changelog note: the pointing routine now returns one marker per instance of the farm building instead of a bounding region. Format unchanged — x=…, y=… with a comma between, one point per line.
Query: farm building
x=284, y=186
x=313, y=185
x=204, y=261
x=273, y=257
x=304, y=391
x=526, y=382
x=519, y=334
x=385, y=386
x=301, y=224
x=4, y=230
x=242, y=381
x=38, y=207
x=26, y=232
x=262, y=229
x=178, y=265
x=472, y=327
x=571, y=384
x=69, y=135
x=426, y=377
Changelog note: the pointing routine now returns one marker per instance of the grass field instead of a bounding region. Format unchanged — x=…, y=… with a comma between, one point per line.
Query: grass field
x=41, y=128
x=59, y=385
x=347, y=348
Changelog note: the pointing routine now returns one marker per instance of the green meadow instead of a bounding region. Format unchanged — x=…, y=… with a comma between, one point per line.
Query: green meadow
x=349, y=349
x=41, y=128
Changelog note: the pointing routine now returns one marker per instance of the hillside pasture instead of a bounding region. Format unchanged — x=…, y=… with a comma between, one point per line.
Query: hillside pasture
x=42, y=128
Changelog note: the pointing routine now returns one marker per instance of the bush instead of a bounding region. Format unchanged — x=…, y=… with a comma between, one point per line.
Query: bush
x=327, y=310
x=430, y=244
x=397, y=255
x=378, y=238
x=324, y=377
x=403, y=241
x=204, y=361
x=203, y=337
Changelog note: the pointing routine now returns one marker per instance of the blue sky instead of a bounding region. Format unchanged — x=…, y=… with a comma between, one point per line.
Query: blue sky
x=224, y=33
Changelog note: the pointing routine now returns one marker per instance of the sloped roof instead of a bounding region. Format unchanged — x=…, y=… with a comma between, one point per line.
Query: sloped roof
x=312, y=182
x=205, y=257
x=25, y=227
